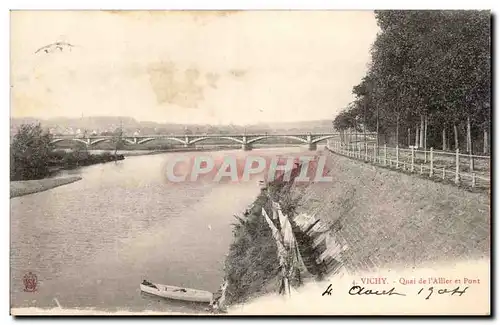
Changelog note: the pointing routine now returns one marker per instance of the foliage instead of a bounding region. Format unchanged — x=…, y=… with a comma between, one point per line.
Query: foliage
x=29, y=153
x=425, y=63
x=32, y=156
x=252, y=260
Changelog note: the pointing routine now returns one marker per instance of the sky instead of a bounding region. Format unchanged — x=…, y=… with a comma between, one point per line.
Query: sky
x=239, y=67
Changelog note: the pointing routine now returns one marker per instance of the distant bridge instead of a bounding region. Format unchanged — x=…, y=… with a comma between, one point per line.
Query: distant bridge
x=187, y=140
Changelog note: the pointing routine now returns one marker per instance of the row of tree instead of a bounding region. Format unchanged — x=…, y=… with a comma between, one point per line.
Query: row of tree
x=428, y=81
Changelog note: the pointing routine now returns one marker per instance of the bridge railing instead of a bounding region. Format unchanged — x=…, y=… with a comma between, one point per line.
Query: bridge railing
x=460, y=168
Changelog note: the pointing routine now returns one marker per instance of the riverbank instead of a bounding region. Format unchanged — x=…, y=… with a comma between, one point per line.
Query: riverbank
x=366, y=219
x=72, y=159
x=20, y=188
x=252, y=264
x=145, y=152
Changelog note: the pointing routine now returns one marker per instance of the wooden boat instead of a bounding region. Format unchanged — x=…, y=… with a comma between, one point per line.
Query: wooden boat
x=178, y=293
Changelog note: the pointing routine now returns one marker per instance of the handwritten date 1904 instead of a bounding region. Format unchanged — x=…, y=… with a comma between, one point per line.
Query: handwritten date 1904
x=363, y=291
x=451, y=292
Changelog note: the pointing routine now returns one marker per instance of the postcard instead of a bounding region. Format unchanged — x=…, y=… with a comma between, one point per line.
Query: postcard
x=265, y=162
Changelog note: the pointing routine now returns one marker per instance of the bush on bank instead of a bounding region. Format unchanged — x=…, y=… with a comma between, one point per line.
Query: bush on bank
x=32, y=155
x=252, y=263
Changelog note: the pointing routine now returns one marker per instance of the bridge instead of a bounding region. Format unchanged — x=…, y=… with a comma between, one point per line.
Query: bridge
x=188, y=140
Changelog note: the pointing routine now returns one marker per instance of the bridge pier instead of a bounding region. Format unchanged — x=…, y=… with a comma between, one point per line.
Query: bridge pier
x=246, y=146
x=312, y=146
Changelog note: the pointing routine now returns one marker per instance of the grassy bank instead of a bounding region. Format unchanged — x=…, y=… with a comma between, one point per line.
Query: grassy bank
x=72, y=159
x=252, y=263
x=20, y=188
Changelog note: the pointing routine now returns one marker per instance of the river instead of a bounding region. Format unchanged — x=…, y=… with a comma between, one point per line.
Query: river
x=92, y=242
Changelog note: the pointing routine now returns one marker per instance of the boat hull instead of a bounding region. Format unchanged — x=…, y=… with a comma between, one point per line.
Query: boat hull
x=178, y=293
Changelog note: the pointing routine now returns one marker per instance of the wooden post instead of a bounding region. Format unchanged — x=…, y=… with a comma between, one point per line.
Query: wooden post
x=359, y=151
x=412, y=159
x=444, y=173
x=385, y=154
x=397, y=156
x=432, y=163
x=374, y=153
x=473, y=179
x=421, y=169
x=457, y=167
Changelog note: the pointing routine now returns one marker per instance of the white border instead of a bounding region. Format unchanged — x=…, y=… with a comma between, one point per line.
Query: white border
x=165, y=4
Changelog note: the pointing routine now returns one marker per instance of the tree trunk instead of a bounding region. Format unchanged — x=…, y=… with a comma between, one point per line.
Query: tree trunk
x=425, y=133
x=421, y=131
x=364, y=124
x=469, y=137
x=444, y=138
x=416, y=136
x=485, y=141
x=377, y=130
x=356, y=131
x=397, y=129
x=455, y=130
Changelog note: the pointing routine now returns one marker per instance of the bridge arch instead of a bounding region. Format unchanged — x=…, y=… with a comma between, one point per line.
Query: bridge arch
x=221, y=137
x=99, y=141
x=80, y=140
x=324, y=138
x=277, y=136
x=54, y=141
x=146, y=140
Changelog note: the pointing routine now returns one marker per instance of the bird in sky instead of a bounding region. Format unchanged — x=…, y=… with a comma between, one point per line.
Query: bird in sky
x=54, y=47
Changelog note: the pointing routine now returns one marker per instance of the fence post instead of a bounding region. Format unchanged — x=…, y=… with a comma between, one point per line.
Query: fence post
x=444, y=173
x=366, y=151
x=397, y=156
x=359, y=150
x=473, y=179
x=385, y=154
x=374, y=154
x=432, y=163
x=421, y=169
x=457, y=167
x=412, y=159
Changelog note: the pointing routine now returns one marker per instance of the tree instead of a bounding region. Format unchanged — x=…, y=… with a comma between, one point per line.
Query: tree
x=117, y=140
x=430, y=71
x=30, y=153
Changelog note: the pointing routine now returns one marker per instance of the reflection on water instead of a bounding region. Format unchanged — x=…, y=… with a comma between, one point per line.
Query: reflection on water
x=92, y=242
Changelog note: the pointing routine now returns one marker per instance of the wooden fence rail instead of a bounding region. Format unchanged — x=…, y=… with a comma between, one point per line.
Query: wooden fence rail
x=462, y=169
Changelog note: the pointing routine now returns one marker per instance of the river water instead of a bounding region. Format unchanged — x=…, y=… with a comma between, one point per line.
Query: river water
x=91, y=243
